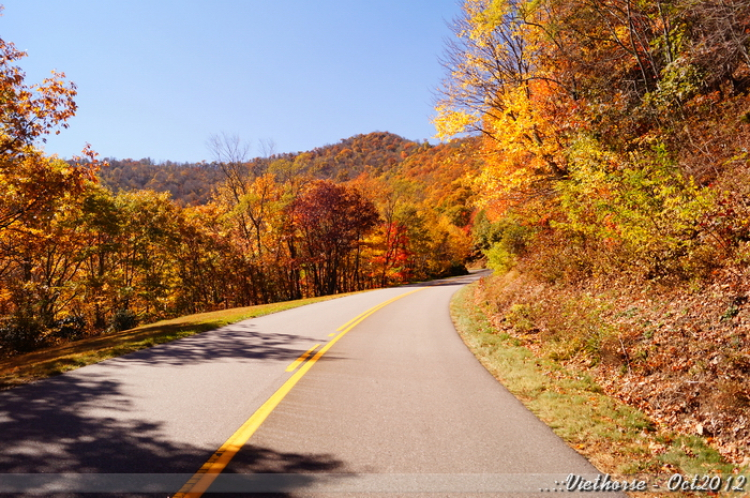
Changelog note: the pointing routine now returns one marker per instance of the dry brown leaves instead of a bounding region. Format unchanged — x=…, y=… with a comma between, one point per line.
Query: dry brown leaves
x=679, y=354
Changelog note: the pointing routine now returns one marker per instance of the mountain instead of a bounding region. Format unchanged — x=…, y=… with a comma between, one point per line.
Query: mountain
x=193, y=183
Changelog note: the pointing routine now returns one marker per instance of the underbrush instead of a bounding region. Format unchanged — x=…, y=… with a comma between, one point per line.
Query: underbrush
x=680, y=354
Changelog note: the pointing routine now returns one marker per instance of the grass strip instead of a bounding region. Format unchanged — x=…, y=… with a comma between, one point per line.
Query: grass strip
x=617, y=439
x=55, y=360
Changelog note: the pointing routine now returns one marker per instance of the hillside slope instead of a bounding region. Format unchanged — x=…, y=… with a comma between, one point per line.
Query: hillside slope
x=194, y=183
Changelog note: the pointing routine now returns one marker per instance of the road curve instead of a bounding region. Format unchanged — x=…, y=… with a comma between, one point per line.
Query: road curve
x=397, y=406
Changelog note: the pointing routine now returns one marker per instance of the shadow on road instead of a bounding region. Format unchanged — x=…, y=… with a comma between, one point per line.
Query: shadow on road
x=236, y=342
x=53, y=427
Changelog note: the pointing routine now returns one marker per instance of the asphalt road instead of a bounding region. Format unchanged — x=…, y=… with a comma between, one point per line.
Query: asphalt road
x=397, y=406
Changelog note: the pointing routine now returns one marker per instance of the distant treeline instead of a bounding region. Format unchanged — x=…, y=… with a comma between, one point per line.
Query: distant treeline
x=195, y=183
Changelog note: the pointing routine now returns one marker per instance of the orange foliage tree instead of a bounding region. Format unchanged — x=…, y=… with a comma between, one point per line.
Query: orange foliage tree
x=587, y=106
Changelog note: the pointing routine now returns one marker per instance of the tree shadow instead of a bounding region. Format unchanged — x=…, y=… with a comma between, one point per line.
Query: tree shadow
x=265, y=473
x=237, y=342
x=57, y=426
x=245, y=340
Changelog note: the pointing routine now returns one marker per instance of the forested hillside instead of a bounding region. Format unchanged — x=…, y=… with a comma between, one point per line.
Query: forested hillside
x=195, y=183
x=188, y=184
x=614, y=193
x=88, y=246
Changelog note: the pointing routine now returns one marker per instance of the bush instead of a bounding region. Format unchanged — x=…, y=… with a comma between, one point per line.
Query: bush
x=637, y=214
x=22, y=335
x=124, y=319
x=521, y=317
x=71, y=327
x=499, y=258
x=503, y=241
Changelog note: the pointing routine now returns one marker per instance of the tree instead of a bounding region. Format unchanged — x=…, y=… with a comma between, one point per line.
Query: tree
x=498, y=86
x=28, y=113
x=232, y=155
x=40, y=198
x=330, y=222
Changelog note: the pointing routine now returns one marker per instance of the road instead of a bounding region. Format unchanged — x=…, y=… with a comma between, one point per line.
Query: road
x=387, y=405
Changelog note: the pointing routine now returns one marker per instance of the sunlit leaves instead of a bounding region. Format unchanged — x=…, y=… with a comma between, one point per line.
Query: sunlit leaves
x=29, y=112
x=595, y=113
x=450, y=122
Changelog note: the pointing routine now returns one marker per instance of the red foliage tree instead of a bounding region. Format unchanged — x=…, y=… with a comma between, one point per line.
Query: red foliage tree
x=330, y=222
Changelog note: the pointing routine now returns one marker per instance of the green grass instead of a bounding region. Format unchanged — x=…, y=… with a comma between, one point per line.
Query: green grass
x=47, y=362
x=616, y=438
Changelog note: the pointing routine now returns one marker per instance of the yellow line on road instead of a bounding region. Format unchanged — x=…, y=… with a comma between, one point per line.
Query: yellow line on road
x=302, y=357
x=207, y=474
x=357, y=319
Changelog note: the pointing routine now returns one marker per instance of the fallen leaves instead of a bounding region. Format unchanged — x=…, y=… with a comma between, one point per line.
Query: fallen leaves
x=678, y=355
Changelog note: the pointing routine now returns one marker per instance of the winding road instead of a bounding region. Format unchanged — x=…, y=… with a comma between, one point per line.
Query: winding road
x=372, y=394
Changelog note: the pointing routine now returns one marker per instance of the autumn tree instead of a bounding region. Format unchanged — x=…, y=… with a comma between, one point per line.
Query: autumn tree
x=331, y=221
x=39, y=240
x=40, y=253
x=231, y=155
x=588, y=105
x=497, y=86
x=29, y=112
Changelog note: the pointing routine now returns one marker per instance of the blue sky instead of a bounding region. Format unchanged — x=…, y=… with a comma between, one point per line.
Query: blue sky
x=157, y=77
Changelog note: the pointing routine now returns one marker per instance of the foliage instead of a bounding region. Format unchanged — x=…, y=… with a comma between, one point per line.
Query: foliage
x=187, y=183
x=330, y=223
x=36, y=197
x=611, y=118
x=29, y=112
x=622, y=211
x=502, y=241
x=88, y=247
x=195, y=183
x=614, y=138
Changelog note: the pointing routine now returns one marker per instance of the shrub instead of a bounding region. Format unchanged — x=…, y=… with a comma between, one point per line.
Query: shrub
x=499, y=258
x=502, y=242
x=124, y=319
x=22, y=334
x=70, y=327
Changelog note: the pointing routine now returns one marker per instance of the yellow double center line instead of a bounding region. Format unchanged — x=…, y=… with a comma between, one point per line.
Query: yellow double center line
x=202, y=480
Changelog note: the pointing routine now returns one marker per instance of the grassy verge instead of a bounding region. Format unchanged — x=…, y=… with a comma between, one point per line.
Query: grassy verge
x=616, y=438
x=28, y=367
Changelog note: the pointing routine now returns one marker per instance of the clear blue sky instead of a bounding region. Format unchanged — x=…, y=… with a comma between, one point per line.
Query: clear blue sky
x=157, y=77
